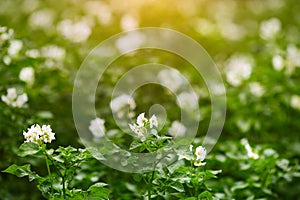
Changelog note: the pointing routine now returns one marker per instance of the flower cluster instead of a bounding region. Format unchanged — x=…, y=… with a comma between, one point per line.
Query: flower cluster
x=200, y=154
x=238, y=68
x=97, y=127
x=120, y=104
x=27, y=75
x=197, y=156
x=140, y=127
x=39, y=135
x=13, y=99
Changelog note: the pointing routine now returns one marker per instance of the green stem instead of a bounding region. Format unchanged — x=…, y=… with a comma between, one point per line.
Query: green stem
x=64, y=187
x=150, y=185
x=49, y=173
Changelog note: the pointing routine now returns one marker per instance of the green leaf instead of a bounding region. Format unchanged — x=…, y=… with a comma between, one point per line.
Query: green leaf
x=283, y=164
x=28, y=148
x=98, y=191
x=205, y=195
x=177, y=186
x=134, y=145
x=21, y=171
x=212, y=173
x=239, y=186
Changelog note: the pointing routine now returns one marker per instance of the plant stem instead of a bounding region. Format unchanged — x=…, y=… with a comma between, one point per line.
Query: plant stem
x=64, y=185
x=49, y=173
x=150, y=185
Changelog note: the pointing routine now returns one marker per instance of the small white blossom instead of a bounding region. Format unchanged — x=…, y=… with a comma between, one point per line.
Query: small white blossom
x=248, y=148
x=97, y=127
x=142, y=125
x=130, y=41
x=200, y=156
x=5, y=33
x=256, y=89
x=11, y=93
x=171, y=79
x=238, y=68
x=200, y=153
x=292, y=58
x=48, y=135
x=42, y=19
x=295, y=102
x=119, y=104
x=21, y=100
x=39, y=135
x=129, y=22
x=27, y=75
x=75, y=31
x=277, y=62
x=187, y=100
x=141, y=120
x=270, y=28
x=6, y=60
x=139, y=130
x=33, y=53
x=53, y=52
x=14, y=47
x=153, y=121
x=191, y=147
x=100, y=10
x=12, y=98
x=177, y=129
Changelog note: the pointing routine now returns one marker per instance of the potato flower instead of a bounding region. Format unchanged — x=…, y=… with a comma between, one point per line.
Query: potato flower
x=38, y=134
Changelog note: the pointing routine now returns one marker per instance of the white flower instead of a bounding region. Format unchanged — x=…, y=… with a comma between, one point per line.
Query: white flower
x=187, y=100
x=14, y=47
x=269, y=28
x=97, y=127
x=33, y=134
x=32, y=53
x=171, y=79
x=42, y=19
x=129, y=22
x=12, y=98
x=256, y=89
x=6, y=60
x=39, y=135
x=250, y=153
x=191, y=147
x=53, y=52
x=48, y=135
x=130, y=41
x=27, y=75
x=139, y=130
x=5, y=34
x=277, y=62
x=153, y=121
x=11, y=93
x=119, y=103
x=200, y=156
x=100, y=10
x=141, y=120
x=74, y=31
x=238, y=68
x=200, y=153
x=177, y=129
x=295, y=102
x=21, y=100
x=292, y=58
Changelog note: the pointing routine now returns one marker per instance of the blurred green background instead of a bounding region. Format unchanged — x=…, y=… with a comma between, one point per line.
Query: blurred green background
x=255, y=44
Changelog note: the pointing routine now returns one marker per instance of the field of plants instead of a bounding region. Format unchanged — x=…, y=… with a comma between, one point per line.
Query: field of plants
x=148, y=99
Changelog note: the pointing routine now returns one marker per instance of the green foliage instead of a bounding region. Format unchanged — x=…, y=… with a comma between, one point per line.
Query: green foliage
x=263, y=100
